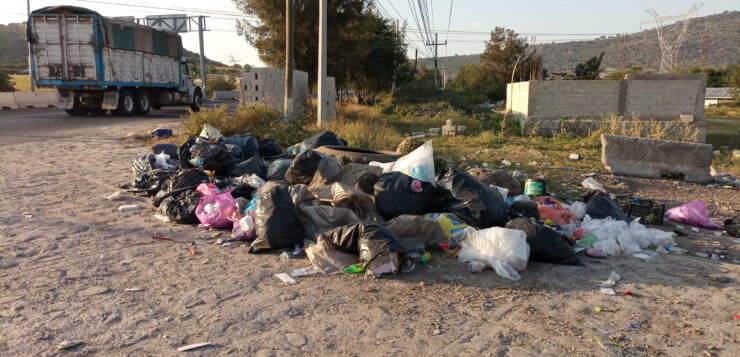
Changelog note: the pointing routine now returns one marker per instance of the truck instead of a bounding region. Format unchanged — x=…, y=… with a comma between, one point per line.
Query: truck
x=99, y=63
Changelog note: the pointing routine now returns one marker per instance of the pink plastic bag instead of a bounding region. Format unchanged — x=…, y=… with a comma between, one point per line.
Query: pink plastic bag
x=215, y=208
x=693, y=214
x=558, y=214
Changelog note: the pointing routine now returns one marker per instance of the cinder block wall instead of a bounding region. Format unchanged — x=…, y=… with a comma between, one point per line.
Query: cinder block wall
x=264, y=85
x=647, y=96
x=555, y=99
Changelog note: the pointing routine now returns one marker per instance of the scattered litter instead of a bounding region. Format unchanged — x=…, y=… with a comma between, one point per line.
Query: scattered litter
x=133, y=289
x=115, y=196
x=129, y=207
x=574, y=157
x=285, y=278
x=629, y=293
x=701, y=255
x=592, y=184
x=65, y=345
x=607, y=291
x=305, y=271
x=693, y=213
x=597, y=309
x=193, y=346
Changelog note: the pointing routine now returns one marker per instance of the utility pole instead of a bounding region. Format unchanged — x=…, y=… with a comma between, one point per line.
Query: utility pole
x=323, y=112
x=416, y=58
x=436, y=44
x=288, y=94
x=203, y=70
x=30, y=65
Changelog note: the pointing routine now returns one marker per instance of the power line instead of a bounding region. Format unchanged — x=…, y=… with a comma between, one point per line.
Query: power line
x=422, y=50
x=201, y=11
x=449, y=21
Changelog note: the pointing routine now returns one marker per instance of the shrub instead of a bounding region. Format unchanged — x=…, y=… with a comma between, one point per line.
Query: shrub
x=219, y=83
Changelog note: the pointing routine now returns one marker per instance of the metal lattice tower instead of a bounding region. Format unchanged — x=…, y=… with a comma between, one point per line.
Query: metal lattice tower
x=670, y=49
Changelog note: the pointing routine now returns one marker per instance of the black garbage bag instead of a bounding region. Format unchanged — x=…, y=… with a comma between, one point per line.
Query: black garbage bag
x=180, y=207
x=254, y=165
x=545, y=244
x=178, y=197
x=236, y=150
x=599, y=205
x=322, y=139
x=183, y=153
x=394, y=196
x=269, y=148
x=216, y=157
x=148, y=178
x=524, y=209
x=247, y=144
x=369, y=241
x=277, y=168
x=473, y=201
x=244, y=191
x=169, y=149
x=182, y=181
x=732, y=226
x=276, y=221
x=303, y=167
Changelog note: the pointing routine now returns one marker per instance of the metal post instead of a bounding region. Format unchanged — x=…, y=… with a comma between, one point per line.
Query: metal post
x=288, y=93
x=203, y=70
x=30, y=69
x=323, y=112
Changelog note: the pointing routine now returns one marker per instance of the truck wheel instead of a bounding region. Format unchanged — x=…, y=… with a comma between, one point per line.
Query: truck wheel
x=197, y=101
x=77, y=109
x=126, y=104
x=143, y=102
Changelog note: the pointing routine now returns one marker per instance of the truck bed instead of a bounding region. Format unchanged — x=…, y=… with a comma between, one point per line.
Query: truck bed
x=69, y=50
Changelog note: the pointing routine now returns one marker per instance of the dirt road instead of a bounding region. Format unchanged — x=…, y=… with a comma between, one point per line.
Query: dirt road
x=74, y=268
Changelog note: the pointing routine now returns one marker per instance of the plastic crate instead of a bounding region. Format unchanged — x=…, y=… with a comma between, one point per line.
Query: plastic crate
x=649, y=212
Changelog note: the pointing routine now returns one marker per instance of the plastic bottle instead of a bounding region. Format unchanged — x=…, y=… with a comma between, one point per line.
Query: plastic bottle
x=426, y=257
x=305, y=271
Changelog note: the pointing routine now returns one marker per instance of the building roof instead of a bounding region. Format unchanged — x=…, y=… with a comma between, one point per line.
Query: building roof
x=719, y=93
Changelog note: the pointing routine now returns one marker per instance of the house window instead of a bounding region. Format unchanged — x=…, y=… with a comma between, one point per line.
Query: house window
x=255, y=76
x=256, y=88
x=256, y=99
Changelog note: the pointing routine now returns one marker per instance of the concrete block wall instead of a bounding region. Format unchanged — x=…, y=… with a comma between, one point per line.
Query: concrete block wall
x=560, y=98
x=266, y=86
x=647, y=96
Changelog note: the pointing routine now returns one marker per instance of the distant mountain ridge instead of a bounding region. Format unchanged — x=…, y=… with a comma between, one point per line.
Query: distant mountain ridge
x=719, y=34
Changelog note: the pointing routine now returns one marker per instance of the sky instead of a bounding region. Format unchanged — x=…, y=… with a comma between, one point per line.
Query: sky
x=469, y=22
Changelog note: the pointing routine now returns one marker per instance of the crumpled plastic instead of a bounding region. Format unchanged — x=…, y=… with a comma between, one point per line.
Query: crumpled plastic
x=557, y=214
x=578, y=209
x=506, y=250
x=616, y=236
x=341, y=195
x=418, y=164
x=693, y=213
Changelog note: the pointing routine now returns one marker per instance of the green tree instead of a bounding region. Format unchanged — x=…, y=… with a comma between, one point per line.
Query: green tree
x=345, y=37
x=383, y=59
x=474, y=79
x=6, y=83
x=219, y=82
x=503, y=52
x=617, y=75
x=591, y=68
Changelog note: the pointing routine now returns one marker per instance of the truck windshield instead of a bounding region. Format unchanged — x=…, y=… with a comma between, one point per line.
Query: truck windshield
x=185, y=69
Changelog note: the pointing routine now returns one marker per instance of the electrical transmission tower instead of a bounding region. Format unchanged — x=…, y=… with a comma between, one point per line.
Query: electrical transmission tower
x=670, y=49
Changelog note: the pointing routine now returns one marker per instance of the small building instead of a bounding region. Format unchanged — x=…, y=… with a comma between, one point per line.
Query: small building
x=718, y=95
x=267, y=85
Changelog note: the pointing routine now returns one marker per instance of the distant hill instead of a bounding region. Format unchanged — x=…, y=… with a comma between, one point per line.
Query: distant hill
x=719, y=34
x=13, y=50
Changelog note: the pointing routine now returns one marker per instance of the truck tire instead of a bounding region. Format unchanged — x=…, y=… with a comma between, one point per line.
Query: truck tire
x=197, y=101
x=143, y=102
x=126, y=104
x=77, y=109
x=346, y=154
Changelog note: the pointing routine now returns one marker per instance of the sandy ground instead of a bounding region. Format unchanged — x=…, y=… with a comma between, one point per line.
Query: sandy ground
x=69, y=260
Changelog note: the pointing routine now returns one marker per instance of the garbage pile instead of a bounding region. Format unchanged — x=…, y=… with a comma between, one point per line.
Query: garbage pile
x=380, y=217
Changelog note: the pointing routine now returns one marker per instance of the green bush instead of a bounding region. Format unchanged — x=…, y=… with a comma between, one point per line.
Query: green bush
x=219, y=83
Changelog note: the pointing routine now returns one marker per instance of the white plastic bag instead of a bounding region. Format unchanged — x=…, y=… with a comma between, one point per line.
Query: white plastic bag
x=161, y=162
x=592, y=184
x=629, y=246
x=505, y=250
x=210, y=132
x=418, y=164
x=578, y=208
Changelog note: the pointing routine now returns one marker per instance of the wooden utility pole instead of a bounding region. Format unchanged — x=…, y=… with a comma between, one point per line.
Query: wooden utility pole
x=323, y=112
x=436, y=44
x=289, y=27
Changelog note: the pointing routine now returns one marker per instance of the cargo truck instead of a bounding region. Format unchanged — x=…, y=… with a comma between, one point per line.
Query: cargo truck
x=98, y=63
